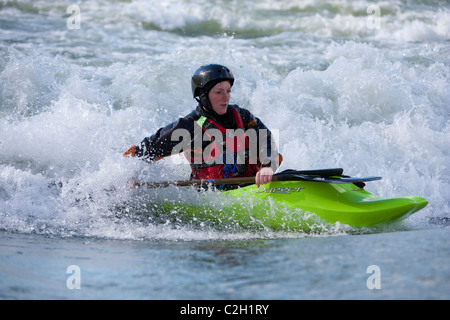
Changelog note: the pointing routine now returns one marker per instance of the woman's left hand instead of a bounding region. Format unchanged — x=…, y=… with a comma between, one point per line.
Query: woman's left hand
x=264, y=176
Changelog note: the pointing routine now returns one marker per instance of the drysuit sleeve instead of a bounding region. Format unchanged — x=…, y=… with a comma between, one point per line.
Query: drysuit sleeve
x=167, y=141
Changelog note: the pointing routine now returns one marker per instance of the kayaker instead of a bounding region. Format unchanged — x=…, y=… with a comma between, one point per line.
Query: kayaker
x=204, y=136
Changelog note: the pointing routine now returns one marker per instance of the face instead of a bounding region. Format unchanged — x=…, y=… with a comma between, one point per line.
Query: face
x=219, y=96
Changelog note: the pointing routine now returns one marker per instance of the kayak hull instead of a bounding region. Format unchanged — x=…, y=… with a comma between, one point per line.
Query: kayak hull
x=333, y=202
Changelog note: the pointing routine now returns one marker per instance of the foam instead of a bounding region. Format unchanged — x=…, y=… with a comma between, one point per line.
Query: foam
x=340, y=95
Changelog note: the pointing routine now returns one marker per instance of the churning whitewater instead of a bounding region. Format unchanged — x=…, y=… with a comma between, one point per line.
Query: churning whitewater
x=345, y=84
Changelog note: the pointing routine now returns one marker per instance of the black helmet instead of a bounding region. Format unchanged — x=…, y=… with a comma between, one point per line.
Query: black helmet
x=206, y=77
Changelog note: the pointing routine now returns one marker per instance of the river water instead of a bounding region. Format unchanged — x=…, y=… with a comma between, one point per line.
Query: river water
x=360, y=85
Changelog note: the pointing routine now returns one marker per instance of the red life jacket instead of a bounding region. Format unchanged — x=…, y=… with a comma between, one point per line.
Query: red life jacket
x=211, y=163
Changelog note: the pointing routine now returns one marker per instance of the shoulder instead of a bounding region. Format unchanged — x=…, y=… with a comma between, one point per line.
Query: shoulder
x=247, y=117
x=190, y=118
x=194, y=115
x=242, y=111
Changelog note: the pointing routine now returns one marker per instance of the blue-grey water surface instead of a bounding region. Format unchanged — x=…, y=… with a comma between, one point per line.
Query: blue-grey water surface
x=360, y=85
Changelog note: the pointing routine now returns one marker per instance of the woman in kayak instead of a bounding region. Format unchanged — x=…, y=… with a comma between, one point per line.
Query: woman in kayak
x=219, y=140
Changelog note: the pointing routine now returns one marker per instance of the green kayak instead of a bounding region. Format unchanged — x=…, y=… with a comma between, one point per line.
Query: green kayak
x=336, y=202
x=294, y=200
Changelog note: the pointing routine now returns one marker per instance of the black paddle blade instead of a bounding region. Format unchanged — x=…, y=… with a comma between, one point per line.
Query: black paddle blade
x=319, y=172
x=322, y=175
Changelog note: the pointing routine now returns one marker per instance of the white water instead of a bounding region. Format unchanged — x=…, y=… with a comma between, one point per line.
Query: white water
x=373, y=101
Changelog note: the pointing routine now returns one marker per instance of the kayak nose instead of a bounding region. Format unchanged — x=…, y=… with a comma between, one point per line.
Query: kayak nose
x=420, y=202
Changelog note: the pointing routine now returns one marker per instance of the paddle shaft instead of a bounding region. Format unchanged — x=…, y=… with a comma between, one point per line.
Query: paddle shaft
x=326, y=176
x=185, y=183
x=284, y=176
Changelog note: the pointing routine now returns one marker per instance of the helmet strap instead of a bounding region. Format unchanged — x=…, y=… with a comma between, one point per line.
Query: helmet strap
x=204, y=101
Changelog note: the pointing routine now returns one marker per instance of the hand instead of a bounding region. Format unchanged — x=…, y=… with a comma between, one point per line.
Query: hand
x=264, y=176
x=131, y=152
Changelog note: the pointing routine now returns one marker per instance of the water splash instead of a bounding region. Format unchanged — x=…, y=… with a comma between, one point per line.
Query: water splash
x=340, y=94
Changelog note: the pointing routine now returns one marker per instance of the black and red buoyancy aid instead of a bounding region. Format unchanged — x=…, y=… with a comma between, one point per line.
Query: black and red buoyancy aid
x=211, y=163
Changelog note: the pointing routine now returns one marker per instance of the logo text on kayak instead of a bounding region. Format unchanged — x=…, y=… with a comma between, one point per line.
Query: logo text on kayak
x=278, y=190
